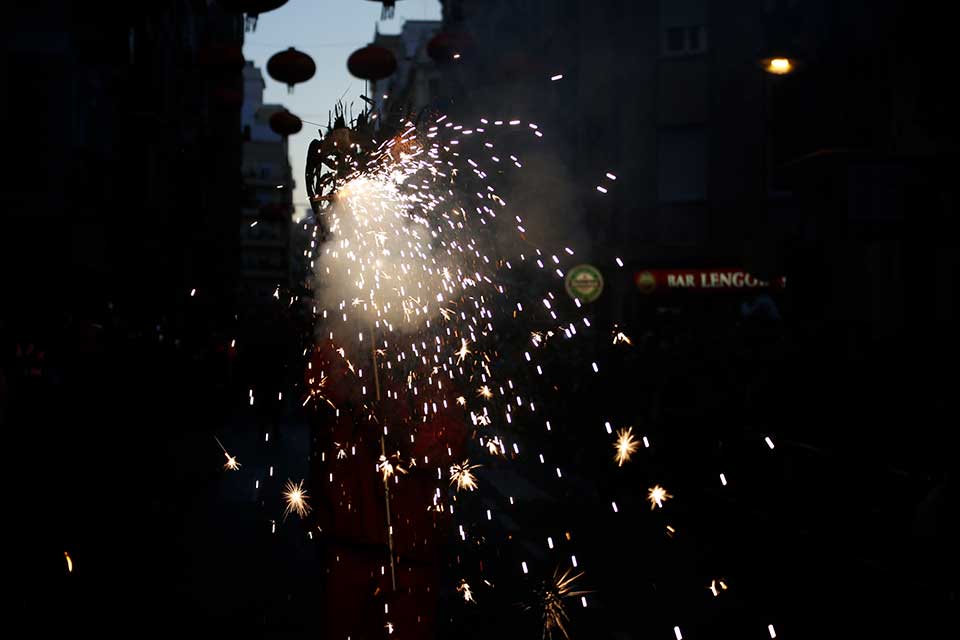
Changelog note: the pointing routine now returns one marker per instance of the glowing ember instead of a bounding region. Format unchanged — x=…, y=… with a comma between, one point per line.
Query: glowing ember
x=625, y=445
x=462, y=475
x=231, y=464
x=388, y=468
x=464, y=588
x=296, y=497
x=462, y=351
x=550, y=601
x=716, y=586
x=657, y=495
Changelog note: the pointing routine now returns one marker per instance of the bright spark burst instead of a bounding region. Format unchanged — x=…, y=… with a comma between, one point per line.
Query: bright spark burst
x=296, y=497
x=461, y=401
x=625, y=445
x=462, y=351
x=315, y=390
x=484, y=392
x=550, y=601
x=620, y=336
x=464, y=588
x=388, y=468
x=231, y=464
x=657, y=495
x=462, y=475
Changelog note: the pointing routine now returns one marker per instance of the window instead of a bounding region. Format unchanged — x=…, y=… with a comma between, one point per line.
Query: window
x=682, y=164
x=684, y=40
x=683, y=27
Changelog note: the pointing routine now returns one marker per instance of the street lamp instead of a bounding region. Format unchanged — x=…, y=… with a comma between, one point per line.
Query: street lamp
x=778, y=65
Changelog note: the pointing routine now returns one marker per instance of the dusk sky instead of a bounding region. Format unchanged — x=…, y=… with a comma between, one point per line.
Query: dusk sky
x=329, y=31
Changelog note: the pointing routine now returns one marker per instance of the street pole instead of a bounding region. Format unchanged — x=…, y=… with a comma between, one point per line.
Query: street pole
x=765, y=138
x=383, y=452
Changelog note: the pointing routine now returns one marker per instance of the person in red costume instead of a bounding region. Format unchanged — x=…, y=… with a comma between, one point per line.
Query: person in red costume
x=347, y=480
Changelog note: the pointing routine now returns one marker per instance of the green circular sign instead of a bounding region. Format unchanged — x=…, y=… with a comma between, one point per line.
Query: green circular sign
x=584, y=282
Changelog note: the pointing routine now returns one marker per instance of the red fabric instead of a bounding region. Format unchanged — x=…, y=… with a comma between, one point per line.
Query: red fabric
x=360, y=600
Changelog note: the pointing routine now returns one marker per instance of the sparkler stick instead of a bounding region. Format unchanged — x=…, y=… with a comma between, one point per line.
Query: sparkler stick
x=383, y=452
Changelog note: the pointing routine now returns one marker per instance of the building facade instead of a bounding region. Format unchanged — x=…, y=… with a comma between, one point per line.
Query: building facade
x=125, y=127
x=670, y=96
x=416, y=82
x=265, y=226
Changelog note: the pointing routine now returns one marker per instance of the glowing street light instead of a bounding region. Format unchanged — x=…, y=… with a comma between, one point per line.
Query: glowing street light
x=778, y=66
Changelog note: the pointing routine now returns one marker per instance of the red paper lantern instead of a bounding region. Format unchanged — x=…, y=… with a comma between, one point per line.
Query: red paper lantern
x=291, y=67
x=253, y=8
x=372, y=62
x=285, y=123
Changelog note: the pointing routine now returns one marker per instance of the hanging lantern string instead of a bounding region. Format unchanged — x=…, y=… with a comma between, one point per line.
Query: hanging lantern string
x=314, y=45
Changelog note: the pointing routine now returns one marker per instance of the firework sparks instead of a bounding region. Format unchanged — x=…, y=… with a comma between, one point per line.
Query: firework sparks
x=385, y=467
x=462, y=475
x=657, y=495
x=464, y=588
x=462, y=351
x=550, y=600
x=408, y=257
x=231, y=464
x=296, y=497
x=69, y=562
x=315, y=390
x=388, y=468
x=625, y=445
x=620, y=336
x=713, y=588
